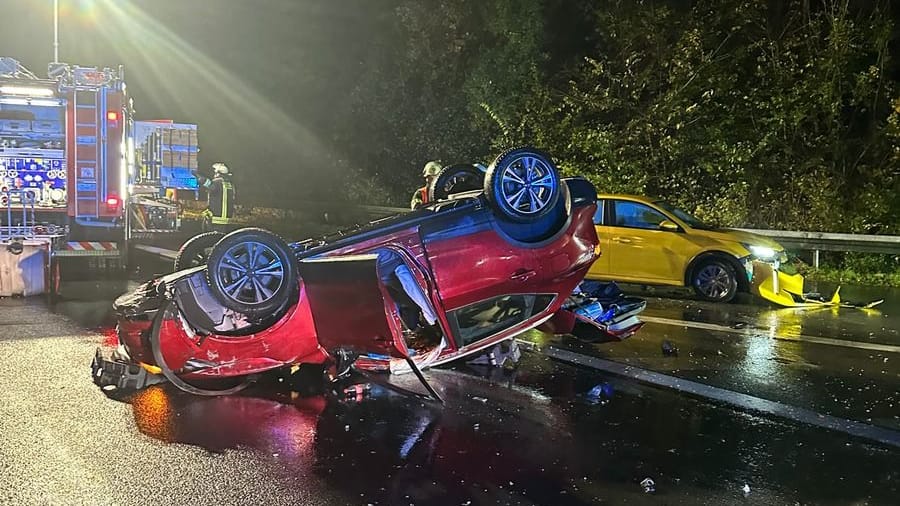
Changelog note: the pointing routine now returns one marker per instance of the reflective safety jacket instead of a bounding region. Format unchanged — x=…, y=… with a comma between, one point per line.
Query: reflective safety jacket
x=419, y=198
x=220, y=199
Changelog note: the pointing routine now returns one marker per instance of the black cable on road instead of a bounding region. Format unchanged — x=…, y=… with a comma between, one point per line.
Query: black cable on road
x=168, y=373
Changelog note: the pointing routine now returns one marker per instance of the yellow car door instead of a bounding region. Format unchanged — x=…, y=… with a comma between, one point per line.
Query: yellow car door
x=640, y=250
x=600, y=267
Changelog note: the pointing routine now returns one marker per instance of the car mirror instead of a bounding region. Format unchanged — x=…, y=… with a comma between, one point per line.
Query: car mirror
x=668, y=225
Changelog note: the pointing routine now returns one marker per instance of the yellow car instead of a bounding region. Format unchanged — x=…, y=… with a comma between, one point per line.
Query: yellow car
x=649, y=241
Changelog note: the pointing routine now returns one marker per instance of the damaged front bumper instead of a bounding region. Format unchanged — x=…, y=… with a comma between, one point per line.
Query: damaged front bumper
x=787, y=290
x=114, y=369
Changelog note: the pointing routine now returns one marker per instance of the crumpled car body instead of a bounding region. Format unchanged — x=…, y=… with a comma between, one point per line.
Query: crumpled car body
x=787, y=290
x=487, y=279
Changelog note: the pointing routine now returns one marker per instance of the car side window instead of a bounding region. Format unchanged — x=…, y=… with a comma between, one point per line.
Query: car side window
x=636, y=215
x=598, y=216
x=488, y=317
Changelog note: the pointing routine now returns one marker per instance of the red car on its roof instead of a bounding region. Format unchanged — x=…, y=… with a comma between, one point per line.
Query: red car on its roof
x=419, y=289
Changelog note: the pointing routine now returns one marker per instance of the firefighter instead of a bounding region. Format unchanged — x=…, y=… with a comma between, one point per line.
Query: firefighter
x=420, y=198
x=220, y=197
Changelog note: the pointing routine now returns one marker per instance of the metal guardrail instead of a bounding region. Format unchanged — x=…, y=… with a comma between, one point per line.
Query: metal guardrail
x=824, y=241
x=792, y=240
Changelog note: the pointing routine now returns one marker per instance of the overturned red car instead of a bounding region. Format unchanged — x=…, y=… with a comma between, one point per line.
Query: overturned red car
x=450, y=280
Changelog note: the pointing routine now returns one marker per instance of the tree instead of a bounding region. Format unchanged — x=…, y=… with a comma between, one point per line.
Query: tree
x=745, y=113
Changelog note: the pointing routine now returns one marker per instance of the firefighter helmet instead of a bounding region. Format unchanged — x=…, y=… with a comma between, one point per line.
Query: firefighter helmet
x=220, y=168
x=431, y=169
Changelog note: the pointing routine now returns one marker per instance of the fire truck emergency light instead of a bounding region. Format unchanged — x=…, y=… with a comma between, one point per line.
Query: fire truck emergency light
x=112, y=201
x=27, y=91
x=112, y=116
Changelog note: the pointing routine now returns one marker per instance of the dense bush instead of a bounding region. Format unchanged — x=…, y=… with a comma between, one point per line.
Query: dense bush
x=752, y=113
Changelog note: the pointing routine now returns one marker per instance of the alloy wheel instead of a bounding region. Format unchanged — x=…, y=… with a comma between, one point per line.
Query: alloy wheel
x=250, y=273
x=528, y=185
x=714, y=281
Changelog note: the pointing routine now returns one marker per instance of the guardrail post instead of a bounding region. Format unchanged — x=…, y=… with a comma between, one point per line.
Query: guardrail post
x=816, y=259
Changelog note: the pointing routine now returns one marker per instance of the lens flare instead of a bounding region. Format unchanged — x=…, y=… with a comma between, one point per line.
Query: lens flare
x=176, y=73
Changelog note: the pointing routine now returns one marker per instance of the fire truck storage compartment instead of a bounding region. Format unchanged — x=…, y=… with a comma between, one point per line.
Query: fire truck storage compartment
x=168, y=153
x=23, y=273
x=31, y=124
x=45, y=178
x=32, y=159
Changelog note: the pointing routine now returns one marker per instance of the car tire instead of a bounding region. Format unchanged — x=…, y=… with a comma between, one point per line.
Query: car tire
x=522, y=185
x=714, y=280
x=195, y=252
x=457, y=178
x=253, y=272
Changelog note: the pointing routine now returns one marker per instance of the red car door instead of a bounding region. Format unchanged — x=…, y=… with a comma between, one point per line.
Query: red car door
x=471, y=261
x=346, y=303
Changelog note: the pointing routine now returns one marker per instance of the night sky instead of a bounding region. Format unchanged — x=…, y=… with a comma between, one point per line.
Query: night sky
x=259, y=77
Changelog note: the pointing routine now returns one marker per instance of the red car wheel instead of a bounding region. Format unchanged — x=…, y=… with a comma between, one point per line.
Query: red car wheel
x=523, y=185
x=196, y=250
x=252, y=271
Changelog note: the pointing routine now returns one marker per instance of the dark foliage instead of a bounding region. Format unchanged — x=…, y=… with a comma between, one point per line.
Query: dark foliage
x=780, y=114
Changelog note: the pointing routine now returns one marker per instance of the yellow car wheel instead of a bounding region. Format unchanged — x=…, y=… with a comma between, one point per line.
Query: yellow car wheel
x=714, y=280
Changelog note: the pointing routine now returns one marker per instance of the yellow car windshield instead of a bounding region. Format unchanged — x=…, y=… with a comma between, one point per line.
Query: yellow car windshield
x=683, y=215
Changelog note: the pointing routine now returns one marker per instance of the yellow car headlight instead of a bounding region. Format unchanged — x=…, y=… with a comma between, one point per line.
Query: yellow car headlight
x=762, y=252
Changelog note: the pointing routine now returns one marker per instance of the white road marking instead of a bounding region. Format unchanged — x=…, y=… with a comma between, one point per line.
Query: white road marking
x=759, y=332
x=743, y=401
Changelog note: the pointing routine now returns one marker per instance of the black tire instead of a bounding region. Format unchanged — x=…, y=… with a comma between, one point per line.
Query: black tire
x=195, y=251
x=523, y=185
x=714, y=280
x=252, y=271
x=457, y=178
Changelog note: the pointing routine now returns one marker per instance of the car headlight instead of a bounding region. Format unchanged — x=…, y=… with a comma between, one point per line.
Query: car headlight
x=762, y=252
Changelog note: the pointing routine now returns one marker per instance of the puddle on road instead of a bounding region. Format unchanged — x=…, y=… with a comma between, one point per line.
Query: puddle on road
x=535, y=435
x=877, y=325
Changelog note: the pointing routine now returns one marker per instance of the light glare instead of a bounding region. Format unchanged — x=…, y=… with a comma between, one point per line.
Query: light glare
x=28, y=91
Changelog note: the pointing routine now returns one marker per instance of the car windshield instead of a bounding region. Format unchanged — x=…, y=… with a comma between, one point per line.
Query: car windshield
x=683, y=215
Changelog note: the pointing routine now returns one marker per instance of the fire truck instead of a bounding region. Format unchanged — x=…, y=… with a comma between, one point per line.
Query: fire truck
x=71, y=167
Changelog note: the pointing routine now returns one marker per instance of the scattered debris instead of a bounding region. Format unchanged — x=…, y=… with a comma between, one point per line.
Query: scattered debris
x=499, y=355
x=357, y=392
x=669, y=349
x=600, y=394
x=746, y=490
x=648, y=485
x=787, y=290
x=479, y=399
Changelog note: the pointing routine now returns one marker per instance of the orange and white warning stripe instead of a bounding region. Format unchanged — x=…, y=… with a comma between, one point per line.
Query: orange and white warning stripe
x=91, y=246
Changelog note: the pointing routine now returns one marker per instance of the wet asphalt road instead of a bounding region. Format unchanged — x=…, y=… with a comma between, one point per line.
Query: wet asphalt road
x=529, y=436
